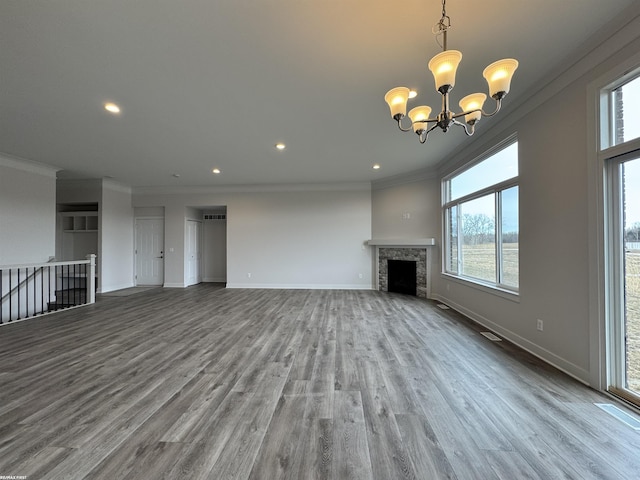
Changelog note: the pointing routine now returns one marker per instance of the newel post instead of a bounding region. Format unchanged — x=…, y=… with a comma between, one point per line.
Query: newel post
x=91, y=283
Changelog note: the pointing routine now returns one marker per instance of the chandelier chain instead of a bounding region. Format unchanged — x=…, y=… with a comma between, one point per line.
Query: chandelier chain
x=442, y=26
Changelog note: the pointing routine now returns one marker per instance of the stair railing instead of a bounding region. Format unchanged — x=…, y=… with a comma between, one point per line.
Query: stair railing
x=29, y=290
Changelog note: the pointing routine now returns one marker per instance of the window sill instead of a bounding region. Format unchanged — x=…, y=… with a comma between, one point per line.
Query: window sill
x=484, y=287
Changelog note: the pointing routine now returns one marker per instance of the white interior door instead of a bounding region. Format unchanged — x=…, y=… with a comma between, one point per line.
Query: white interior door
x=193, y=252
x=149, y=251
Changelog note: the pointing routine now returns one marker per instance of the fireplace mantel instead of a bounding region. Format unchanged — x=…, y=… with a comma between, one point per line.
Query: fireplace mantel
x=402, y=242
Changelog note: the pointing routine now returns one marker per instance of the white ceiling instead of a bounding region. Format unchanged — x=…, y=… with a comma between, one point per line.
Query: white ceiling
x=216, y=83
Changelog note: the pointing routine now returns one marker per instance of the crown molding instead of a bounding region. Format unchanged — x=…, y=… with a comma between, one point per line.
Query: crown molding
x=614, y=36
x=276, y=188
x=113, y=185
x=80, y=182
x=30, y=166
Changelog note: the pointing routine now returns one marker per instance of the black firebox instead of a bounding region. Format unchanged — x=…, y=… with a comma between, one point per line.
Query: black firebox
x=402, y=276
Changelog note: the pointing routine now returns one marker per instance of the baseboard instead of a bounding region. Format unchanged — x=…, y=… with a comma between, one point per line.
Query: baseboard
x=543, y=354
x=287, y=286
x=112, y=288
x=174, y=285
x=214, y=279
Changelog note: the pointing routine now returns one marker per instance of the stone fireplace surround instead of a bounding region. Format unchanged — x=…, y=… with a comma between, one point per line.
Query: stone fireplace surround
x=418, y=250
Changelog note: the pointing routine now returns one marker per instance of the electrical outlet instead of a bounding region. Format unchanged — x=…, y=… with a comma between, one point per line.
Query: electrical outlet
x=540, y=325
x=406, y=216
x=248, y=275
x=360, y=275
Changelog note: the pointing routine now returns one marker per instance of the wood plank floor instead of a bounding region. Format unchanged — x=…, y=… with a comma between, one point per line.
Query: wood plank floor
x=209, y=383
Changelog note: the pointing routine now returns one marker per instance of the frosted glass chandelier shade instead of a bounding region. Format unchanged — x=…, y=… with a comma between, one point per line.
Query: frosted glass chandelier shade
x=419, y=116
x=397, y=98
x=498, y=75
x=444, y=66
x=475, y=101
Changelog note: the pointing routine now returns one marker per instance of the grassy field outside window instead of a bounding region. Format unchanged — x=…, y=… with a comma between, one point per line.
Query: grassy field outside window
x=481, y=215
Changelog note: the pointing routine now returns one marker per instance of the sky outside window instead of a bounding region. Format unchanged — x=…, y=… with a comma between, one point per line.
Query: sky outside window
x=501, y=166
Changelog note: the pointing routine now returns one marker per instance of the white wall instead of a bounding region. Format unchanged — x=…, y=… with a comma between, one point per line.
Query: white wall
x=285, y=237
x=555, y=226
x=27, y=212
x=392, y=202
x=117, y=232
x=149, y=212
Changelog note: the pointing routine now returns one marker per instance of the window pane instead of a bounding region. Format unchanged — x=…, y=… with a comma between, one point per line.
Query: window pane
x=631, y=224
x=499, y=167
x=451, y=261
x=626, y=100
x=510, y=229
x=478, y=241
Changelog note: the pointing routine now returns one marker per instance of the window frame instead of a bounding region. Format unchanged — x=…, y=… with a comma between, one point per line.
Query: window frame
x=609, y=158
x=448, y=205
x=607, y=145
x=599, y=150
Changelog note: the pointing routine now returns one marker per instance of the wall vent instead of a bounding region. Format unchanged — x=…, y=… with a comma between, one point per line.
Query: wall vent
x=624, y=417
x=491, y=336
x=215, y=216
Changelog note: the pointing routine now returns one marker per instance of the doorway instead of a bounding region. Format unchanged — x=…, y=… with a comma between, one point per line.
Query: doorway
x=193, y=253
x=149, y=251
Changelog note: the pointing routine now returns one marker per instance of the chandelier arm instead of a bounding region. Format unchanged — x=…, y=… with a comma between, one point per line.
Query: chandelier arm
x=400, y=124
x=485, y=114
x=458, y=115
x=427, y=132
x=424, y=135
x=410, y=127
x=469, y=131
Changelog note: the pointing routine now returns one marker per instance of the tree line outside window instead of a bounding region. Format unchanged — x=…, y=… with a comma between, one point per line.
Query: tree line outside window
x=480, y=209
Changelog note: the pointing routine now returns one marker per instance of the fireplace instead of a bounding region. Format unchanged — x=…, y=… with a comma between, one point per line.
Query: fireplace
x=402, y=276
x=416, y=251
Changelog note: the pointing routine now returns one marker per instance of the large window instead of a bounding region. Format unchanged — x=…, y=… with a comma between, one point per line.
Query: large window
x=480, y=208
x=620, y=153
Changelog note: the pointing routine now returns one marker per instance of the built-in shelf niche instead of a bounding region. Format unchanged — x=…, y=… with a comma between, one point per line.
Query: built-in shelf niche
x=77, y=228
x=75, y=222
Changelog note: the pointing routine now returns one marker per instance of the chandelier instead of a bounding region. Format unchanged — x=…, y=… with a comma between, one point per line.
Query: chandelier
x=444, y=66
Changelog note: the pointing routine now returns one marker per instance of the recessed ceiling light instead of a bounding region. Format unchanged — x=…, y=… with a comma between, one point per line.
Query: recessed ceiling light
x=216, y=171
x=177, y=175
x=280, y=146
x=413, y=94
x=112, y=108
x=376, y=166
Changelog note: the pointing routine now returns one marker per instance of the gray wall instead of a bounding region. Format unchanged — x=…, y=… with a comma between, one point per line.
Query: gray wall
x=556, y=221
x=417, y=199
x=300, y=237
x=27, y=212
x=215, y=250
